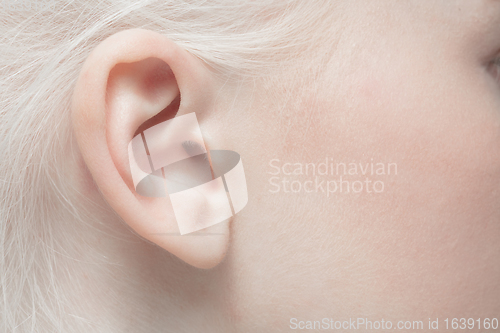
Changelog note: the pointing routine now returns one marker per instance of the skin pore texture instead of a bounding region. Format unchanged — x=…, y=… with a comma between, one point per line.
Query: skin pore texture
x=407, y=84
x=403, y=82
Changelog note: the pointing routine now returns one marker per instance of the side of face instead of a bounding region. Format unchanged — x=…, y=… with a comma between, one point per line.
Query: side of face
x=407, y=84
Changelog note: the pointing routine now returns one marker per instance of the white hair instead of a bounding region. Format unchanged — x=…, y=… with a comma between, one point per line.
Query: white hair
x=41, y=53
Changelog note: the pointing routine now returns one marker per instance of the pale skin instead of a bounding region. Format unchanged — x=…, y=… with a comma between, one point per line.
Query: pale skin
x=410, y=83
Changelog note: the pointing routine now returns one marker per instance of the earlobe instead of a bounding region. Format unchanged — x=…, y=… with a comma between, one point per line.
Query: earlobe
x=133, y=81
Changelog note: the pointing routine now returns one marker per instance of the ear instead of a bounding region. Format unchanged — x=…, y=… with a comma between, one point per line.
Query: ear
x=131, y=81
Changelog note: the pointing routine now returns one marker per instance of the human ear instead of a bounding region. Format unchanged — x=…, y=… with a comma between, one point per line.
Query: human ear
x=133, y=80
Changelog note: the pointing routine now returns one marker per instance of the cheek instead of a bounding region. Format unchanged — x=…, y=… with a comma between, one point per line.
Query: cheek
x=448, y=148
x=436, y=226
